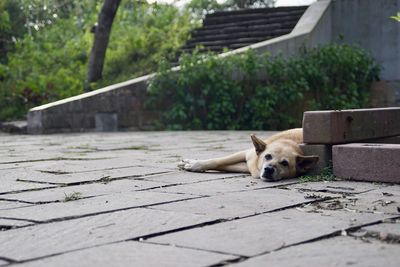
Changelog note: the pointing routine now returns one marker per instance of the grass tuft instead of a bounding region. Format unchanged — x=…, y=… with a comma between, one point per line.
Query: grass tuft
x=72, y=197
x=325, y=175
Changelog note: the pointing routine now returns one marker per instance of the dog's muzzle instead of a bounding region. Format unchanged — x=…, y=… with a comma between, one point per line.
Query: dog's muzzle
x=268, y=174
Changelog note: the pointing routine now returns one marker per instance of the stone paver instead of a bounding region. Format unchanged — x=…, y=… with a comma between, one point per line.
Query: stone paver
x=339, y=251
x=241, y=204
x=135, y=254
x=128, y=204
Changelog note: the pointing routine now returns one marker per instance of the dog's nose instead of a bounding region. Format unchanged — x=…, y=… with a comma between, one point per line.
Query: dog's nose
x=269, y=170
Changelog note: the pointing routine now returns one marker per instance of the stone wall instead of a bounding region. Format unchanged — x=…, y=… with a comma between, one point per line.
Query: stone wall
x=367, y=23
x=123, y=103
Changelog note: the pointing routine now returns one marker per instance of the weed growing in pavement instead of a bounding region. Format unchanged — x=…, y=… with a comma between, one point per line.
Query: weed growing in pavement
x=105, y=179
x=325, y=175
x=73, y=196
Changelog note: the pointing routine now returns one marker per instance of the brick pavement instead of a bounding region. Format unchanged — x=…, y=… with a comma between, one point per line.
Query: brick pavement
x=117, y=199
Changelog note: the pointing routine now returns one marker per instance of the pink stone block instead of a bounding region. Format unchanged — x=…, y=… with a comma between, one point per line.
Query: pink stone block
x=367, y=162
x=345, y=126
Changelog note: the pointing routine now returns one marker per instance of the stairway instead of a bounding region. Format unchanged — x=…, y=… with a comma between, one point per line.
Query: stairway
x=234, y=29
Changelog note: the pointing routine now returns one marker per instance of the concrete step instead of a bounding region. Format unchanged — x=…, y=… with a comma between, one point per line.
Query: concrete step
x=238, y=35
x=353, y=125
x=235, y=29
x=252, y=16
x=250, y=22
x=257, y=10
x=229, y=42
x=254, y=27
x=367, y=162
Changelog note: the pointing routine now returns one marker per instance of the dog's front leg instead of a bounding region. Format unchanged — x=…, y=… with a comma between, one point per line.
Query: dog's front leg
x=217, y=164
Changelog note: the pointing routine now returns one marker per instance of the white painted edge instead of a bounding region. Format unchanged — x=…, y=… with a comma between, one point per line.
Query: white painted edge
x=305, y=26
x=92, y=93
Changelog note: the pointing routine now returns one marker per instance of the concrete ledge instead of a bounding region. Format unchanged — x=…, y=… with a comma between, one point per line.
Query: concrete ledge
x=345, y=126
x=76, y=114
x=367, y=162
x=386, y=140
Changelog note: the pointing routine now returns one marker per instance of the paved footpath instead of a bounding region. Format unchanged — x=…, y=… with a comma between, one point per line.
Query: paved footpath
x=117, y=199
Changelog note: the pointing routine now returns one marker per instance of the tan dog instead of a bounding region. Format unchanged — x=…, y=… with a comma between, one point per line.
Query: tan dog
x=275, y=158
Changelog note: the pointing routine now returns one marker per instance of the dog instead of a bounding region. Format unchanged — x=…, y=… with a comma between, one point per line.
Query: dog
x=278, y=157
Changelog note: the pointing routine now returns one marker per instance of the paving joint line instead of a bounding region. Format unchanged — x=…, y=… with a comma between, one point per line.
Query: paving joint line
x=191, y=248
x=46, y=202
x=20, y=219
x=48, y=159
x=93, y=170
x=8, y=260
x=101, y=180
x=27, y=190
x=266, y=187
x=4, y=227
x=189, y=183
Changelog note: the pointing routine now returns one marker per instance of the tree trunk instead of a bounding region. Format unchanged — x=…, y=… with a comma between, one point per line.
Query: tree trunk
x=100, y=43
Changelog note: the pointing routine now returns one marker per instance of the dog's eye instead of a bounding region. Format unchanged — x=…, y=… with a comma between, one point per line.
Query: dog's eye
x=268, y=157
x=284, y=163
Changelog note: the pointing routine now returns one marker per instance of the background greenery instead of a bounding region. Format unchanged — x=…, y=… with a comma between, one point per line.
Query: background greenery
x=261, y=92
x=45, y=45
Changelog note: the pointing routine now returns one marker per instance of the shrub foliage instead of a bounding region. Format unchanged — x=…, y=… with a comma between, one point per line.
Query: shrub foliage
x=46, y=59
x=249, y=91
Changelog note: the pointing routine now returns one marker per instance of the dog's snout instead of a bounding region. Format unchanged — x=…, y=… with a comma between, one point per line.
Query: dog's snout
x=269, y=170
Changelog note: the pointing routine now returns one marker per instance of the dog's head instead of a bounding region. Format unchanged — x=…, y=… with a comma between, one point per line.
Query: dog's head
x=281, y=159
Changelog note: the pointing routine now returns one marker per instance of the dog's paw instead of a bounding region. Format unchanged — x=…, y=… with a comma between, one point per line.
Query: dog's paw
x=191, y=165
x=182, y=164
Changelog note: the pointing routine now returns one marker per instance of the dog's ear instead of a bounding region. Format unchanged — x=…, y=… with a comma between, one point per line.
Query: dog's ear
x=259, y=144
x=305, y=163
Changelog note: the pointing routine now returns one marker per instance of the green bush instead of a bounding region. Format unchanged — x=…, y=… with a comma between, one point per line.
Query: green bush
x=50, y=63
x=260, y=92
